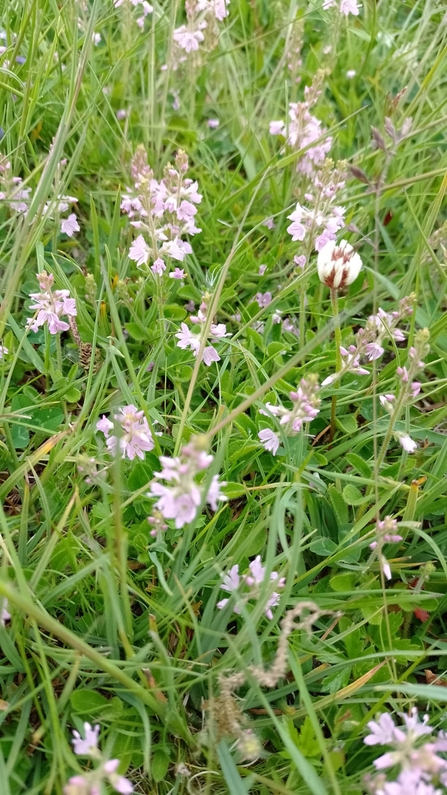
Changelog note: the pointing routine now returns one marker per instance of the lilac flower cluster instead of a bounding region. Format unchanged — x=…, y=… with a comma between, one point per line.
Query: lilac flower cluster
x=370, y=339
x=163, y=210
x=69, y=225
x=13, y=193
x=17, y=198
x=4, y=615
x=201, y=16
x=345, y=7
x=421, y=768
x=323, y=216
x=409, y=389
x=248, y=586
x=303, y=129
x=305, y=407
x=386, y=533
x=50, y=306
x=135, y=438
x=183, y=494
x=91, y=782
x=189, y=341
x=146, y=8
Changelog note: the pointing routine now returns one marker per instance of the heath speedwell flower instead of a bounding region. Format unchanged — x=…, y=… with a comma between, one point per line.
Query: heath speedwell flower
x=50, y=306
x=135, y=439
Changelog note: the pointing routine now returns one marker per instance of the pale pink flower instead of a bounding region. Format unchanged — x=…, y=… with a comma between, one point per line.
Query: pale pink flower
x=263, y=299
x=305, y=407
x=213, y=123
x=188, y=40
x=231, y=580
x=177, y=273
x=104, y=425
x=349, y=7
x=300, y=261
x=270, y=440
x=408, y=444
x=135, y=438
x=50, y=306
x=158, y=267
x=302, y=131
x=277, y=128
x=87, y=745
x=3, y=351
x=188, y=340
x=4, y=615
x=262, y=270
x=139, y=251
x=210, y=355
x=70, y=225
x=119, y=783
x=269, y=223
x=249, y=586
x=181, y=499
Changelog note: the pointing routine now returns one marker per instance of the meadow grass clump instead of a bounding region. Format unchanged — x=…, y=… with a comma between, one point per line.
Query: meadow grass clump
x=223, y=385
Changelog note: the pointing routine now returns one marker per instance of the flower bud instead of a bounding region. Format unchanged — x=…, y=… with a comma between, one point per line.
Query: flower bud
x=338, y=264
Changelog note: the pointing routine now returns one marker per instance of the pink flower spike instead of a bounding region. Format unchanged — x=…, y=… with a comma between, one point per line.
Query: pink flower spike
x=70, y=225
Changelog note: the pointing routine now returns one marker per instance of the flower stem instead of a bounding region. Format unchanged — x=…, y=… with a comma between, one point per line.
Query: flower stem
x=338, y=363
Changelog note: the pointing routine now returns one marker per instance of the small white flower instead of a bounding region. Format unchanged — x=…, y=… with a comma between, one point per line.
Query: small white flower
x=338, y=264
x=409, y=445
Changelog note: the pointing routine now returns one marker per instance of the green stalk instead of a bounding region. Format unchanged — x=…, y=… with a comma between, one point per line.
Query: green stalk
x=338, y=364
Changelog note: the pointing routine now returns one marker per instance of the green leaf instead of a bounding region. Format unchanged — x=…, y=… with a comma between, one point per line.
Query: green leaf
x=347, y=423
x=73, y=395
x=344, y=582
x=159, y=766
x=136, y=331
x=233, y=490
x=359, y=464
x=230, y=772
x=352, y=495
x=87, y=702
x=323, y=546
x=338, y=504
